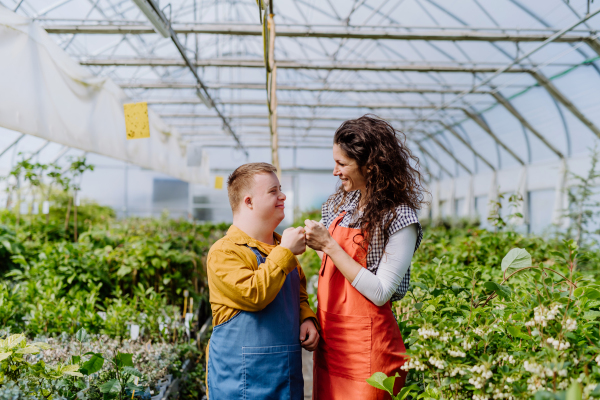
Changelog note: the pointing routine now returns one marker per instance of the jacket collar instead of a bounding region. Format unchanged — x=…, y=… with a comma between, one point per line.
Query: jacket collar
x=240, y=237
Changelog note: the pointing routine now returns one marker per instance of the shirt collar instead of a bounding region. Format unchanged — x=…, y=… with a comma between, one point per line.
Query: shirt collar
x=351, y=202
x=240, y=237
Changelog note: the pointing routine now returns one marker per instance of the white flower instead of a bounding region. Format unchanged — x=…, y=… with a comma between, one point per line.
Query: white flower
x=557, y=344
x=478, y=331
x=436, y=362
x=457, y=353
x=500, y=307
x=413, y=363
x=505, y=357
x=466, y=344
x=570, y=325
x=427, y=333
x=480, y=375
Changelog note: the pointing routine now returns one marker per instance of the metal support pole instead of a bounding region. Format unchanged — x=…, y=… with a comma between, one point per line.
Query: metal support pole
x=477, y=119
x=12, y=144
x=557, y=94
x=509, y=107
x=436, y=141
x=467, y=144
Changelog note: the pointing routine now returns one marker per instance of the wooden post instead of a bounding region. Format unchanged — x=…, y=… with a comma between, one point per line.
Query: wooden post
x=272, y=92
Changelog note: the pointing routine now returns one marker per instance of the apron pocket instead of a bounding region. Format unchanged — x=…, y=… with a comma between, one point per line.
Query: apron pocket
x=272, y=373
x=345, y=345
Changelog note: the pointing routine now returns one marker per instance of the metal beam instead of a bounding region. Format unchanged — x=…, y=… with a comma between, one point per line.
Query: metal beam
x=594, y=43
x=202, y=92
x=557, y=94
x=12, y=144
x=316, y=31
x=286, y=117
x=327, y=88
x=487, y=129
x=432, y=158
x=511, y=109
x=451, y=154
x=467, y=144
x=292, y=104
x=290, y=64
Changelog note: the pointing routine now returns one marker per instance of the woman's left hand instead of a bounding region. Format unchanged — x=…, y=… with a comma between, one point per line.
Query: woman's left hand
x=317, y=236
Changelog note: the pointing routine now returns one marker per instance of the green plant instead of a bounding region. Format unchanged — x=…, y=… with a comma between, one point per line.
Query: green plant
x=584, y=209
x=383, y=382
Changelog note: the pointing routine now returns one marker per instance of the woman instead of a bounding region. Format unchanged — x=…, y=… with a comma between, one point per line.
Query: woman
x=366, y=241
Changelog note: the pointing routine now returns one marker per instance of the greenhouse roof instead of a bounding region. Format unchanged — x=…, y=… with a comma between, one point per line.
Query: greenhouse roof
x=475, y=86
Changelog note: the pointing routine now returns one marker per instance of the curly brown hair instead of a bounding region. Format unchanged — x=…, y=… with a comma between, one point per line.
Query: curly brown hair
x=391, y=179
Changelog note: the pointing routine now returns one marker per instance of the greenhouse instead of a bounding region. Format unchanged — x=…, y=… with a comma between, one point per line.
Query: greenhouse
x=467, y=130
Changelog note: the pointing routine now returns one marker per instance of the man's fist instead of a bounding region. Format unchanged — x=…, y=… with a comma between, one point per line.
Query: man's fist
x=293, y=239
x=309, y=336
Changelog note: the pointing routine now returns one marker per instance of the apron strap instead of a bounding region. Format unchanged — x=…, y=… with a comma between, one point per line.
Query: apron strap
x=260, y=259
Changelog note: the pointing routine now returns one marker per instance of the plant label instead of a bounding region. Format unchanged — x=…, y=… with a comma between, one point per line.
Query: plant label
x=102, y=314
x=134, y=331
x=137, y=125
x=77, y=199
x=35, y=208
x=46, y=207
x=188, y=322
x=219, y=182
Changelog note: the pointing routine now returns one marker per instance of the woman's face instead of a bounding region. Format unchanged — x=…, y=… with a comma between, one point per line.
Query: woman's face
x=347, y=169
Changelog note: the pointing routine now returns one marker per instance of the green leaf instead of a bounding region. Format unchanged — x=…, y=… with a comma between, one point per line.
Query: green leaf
x=574, y=392
x=418, y=306
x=123, y=360
x=378, y=380
x=110, y=387
x=590, y=315
x=81, y=335
x=28, y=350
x=93, y=365
x=4, y=356
x=515, y=332
x=132, y=371
x=516, y=258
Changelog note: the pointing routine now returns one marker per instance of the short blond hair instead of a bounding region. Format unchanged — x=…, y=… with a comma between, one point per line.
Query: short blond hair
x=240, y=181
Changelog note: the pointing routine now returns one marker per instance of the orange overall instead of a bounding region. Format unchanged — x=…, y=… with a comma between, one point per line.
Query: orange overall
x=358, y=338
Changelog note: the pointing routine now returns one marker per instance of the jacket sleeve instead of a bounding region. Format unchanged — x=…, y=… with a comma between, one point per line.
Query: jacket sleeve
x=305, y=310
x=241, y=285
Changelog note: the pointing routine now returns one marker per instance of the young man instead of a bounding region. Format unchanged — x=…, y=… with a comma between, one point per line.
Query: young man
x=261, y=315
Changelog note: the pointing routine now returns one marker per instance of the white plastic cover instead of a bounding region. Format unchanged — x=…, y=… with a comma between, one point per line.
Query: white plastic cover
x=45, y=93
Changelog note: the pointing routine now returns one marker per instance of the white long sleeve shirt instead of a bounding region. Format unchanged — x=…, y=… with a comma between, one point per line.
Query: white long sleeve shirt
x=380, y=287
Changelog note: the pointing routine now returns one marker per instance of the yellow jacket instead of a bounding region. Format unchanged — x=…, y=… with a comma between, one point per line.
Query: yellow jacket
x=236, y=283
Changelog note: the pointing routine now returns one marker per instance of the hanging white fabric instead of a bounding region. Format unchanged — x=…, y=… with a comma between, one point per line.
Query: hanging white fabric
x=522, y=192
x=47, y=94
x=468, y=210
x=435, y=203
x=561, y=201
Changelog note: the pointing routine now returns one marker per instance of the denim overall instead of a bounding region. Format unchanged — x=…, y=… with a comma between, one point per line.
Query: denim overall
x=257, y=355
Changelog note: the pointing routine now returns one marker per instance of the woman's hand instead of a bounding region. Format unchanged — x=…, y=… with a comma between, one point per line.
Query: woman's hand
x=317, y=236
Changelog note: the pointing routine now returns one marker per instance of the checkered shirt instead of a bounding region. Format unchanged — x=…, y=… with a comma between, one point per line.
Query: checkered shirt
x=404, y=216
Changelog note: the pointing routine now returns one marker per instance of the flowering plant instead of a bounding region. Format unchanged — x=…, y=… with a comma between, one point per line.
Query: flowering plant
x=533, y=334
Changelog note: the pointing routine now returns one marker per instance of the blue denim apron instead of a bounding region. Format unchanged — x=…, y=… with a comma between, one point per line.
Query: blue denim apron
x=257, y=355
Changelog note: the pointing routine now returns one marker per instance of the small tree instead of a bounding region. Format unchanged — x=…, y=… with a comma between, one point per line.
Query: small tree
x=583, y=208
x=77, y=169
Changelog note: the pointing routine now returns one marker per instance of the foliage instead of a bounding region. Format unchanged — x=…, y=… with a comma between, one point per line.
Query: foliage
x=500, y=315
x=584, y=209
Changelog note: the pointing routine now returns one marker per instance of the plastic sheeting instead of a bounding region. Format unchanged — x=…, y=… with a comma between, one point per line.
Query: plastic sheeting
x=45, y=93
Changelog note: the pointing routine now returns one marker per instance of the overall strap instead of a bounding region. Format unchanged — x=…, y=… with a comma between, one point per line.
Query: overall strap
x=260, y=259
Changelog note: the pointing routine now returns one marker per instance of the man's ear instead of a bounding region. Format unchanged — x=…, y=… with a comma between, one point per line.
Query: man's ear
x=248, y=202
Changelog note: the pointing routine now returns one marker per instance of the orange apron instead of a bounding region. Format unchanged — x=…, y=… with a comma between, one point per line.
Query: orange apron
x=358, y=338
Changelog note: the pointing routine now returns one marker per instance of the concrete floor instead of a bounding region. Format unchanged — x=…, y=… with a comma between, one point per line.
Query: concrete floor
x=307, y=372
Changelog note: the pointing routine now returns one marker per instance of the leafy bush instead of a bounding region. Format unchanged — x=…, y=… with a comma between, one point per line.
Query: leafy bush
x=482, y=321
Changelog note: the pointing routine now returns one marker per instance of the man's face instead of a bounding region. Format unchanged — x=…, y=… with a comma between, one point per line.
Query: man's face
x=267, y=198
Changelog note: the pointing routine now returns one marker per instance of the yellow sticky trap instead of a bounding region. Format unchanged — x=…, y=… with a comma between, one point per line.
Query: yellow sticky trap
x=219, y=182
x=136, y=120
